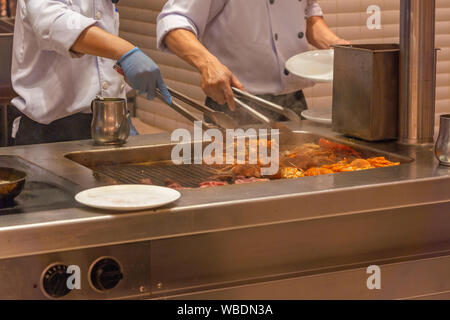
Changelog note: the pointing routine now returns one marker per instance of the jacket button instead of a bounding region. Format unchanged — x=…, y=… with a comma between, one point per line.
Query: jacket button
x=271, y=1
x=276, y=36
x=301, y=35
x=286, y=72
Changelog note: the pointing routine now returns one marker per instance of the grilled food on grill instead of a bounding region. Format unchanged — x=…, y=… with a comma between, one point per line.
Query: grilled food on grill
x=315, y=171
x=243, y=180
x=174, y=185
x=209, y=184
x=306, y=160
x=291, y=173
x=324, y=143
x=360, y=164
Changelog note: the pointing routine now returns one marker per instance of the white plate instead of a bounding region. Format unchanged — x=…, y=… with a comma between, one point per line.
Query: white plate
x=319, y=114
x=127, y=197
x=314, y=65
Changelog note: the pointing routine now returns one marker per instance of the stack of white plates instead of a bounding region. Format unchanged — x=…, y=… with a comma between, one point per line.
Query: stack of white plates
x=318, y=114
x=314, y=65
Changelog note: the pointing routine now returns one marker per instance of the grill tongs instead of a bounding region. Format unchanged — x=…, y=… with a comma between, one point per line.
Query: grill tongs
x=286, y=134
x=288, y=113
x=220, y=119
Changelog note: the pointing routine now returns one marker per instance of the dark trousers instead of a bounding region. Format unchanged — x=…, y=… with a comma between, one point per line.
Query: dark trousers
x=75, y=127
x=295, y=101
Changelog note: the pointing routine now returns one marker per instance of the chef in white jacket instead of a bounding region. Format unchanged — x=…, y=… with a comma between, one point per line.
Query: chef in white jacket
x=63, y=57
x=245, y=44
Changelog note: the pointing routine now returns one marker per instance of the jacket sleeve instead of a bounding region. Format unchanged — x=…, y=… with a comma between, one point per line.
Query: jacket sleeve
x=55, y=25
x=192, y=15
x=313, y=9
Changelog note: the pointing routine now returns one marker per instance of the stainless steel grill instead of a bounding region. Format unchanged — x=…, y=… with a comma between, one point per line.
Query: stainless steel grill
x=188, y=175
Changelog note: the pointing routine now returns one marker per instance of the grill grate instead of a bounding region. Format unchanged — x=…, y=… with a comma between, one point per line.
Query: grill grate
x=188, y=175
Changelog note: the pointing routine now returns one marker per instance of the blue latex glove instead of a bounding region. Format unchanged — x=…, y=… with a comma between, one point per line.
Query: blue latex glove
x=133, y=130
x=143, y=74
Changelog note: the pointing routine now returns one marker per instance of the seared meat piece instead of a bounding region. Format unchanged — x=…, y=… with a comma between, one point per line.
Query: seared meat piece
x=247, y=170
x=146, y=181
x=308, y=155
x=243, y=180
x=209, y=184
x=324, y=143
x=227, y=177
x=174, y=185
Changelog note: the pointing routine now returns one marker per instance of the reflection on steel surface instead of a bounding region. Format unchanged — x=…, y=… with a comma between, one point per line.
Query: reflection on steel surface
x=442, y=149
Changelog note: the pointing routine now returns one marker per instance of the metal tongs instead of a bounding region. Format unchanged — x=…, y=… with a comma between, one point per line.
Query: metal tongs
x=288, y=113
x=224, y=121
x=286, y=134
x=220, y=119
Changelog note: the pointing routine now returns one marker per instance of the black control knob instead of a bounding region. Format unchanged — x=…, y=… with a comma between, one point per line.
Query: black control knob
x=106, y=274
x=54, y=281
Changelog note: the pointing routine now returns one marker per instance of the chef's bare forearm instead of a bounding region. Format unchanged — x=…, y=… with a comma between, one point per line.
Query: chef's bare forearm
x=320, y=35
x=217, y=79
x=186, y=46
x=96, y=41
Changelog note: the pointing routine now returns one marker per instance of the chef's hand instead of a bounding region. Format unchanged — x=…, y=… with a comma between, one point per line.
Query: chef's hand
x=320, y=35
x=341, y=41
x=217, y=81
x=143, y=74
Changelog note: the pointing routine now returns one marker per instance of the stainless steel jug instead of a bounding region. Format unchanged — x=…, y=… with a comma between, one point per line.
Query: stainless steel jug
x=442, y=149
x=110, y=121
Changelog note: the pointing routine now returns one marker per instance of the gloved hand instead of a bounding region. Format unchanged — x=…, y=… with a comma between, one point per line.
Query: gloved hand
x=133, y=130
x=143, y=74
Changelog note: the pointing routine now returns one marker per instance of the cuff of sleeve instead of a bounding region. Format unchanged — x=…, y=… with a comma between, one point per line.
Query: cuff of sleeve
x=169, y=23
x=66, y=30
x=313, y=10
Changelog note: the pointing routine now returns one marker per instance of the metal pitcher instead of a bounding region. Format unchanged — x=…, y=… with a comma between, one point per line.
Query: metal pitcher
x=442, y=149
x=110, y=121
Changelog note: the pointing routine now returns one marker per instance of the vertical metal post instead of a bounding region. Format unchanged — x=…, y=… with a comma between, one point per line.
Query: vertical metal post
x=417, y=71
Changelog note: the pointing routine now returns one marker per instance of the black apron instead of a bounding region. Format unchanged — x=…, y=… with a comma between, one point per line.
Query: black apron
x=75, y=127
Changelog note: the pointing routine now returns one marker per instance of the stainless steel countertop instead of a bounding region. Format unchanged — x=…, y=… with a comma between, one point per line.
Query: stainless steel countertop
x=419, y=182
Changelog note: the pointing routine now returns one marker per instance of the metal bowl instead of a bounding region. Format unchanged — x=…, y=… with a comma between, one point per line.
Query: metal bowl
x=12, y=182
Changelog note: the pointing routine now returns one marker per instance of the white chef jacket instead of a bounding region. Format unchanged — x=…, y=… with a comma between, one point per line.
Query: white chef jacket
x=253, y=38
x=52, y=82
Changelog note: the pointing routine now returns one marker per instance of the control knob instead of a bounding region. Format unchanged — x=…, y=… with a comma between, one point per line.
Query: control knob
x=106, y=274
x=54, y=281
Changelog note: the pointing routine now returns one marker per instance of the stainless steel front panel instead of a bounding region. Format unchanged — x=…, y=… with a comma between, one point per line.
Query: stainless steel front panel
x=20, y=278
x=421, y=279
x=238, y=257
